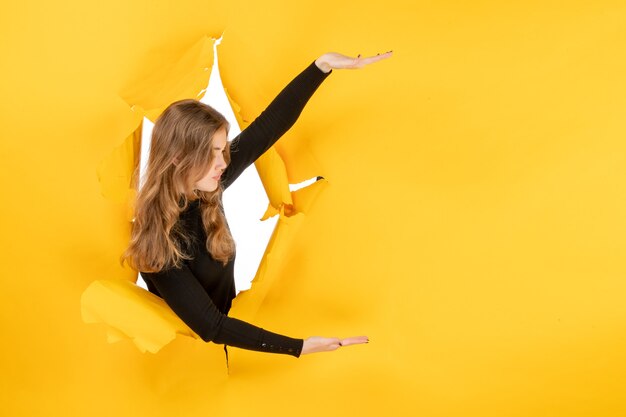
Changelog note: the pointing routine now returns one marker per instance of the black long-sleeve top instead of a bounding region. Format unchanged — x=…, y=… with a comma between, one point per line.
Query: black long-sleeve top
x=201, y=291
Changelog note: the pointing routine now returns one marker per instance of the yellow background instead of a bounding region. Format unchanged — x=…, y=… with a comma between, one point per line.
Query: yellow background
x=473, y=223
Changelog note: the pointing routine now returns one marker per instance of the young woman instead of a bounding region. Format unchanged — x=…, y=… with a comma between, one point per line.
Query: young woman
x=180, y=241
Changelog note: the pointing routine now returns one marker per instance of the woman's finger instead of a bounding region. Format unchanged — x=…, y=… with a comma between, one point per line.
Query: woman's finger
x=371, y=59
x=354, y=340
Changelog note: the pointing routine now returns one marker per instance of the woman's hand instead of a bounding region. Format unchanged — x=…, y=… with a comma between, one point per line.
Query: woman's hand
x=316, y=344
x=333, y=60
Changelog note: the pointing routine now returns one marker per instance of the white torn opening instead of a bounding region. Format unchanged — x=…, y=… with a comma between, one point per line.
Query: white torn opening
x=305, y=183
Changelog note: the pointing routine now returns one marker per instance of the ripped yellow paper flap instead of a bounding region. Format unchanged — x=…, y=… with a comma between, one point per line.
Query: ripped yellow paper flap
x=117, y=173
x=175, y=81
x=131, y=312
x=247, y=303
x=273, y=175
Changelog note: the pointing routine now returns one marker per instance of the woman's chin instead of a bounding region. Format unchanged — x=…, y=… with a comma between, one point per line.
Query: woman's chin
x=209, y=188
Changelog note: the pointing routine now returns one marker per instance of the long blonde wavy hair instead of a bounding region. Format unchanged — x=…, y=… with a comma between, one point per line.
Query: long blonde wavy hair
x=180, y=155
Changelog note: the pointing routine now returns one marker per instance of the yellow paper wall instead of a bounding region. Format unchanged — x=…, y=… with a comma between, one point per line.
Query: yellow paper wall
x=472, y=225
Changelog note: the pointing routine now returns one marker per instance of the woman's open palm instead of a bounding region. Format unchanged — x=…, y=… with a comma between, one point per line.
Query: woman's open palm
x=315, y=344
x=334, y=60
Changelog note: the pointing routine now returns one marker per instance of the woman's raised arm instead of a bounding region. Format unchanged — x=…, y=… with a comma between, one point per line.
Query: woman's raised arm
x=284, y=110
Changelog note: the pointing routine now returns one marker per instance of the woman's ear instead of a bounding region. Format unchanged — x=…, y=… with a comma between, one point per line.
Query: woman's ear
x=175, y=161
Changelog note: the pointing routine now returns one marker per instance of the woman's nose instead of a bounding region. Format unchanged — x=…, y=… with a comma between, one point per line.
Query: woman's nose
x=221, y=162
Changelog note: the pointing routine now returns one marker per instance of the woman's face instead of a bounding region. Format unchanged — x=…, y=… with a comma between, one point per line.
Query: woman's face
x=212, y=178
